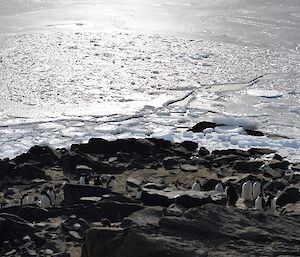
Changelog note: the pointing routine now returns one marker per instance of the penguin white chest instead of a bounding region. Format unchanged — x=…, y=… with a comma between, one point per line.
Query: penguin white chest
x=196, y=187
x=256, y=189
x=258, y=203
x=247, y=191
x=219, y=188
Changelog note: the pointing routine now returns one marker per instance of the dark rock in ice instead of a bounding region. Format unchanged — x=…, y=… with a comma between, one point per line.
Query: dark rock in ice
x=189, y=145
x=200, y=126
x=102, y=146
x=203, y=151
x=288, y=195
x=231, y=152
x=247, y=166
x=254, y=133
x=257, y=152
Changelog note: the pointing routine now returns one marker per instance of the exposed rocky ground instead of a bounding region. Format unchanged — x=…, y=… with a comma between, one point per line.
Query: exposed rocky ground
x=169, y=219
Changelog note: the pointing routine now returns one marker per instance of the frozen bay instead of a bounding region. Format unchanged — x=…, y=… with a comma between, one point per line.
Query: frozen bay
x=73, y=70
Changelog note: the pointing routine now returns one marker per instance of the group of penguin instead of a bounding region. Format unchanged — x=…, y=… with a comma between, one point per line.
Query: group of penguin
x=250, y=192
x=46, y=199
x=105, y=182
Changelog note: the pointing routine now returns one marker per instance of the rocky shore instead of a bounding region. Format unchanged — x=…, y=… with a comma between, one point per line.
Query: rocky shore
x=150, y=209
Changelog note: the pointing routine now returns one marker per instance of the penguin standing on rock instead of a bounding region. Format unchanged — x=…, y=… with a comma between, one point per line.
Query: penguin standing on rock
x=256, y=190
x=247, y=191
x=138, y=193
x=196, y=186
x=82, y=180
x=260, y=202
x=231, y=195
x=219, y=187
x=271, y=203
x=112, y=184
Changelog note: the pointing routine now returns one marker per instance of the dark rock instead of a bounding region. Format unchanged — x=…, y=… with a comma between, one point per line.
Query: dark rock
x=240, y=181
x=203, y=151
x=209, y=184
x=14, y=228
x=200, y=126
x=175, y=210
x=274, y=173
x=29, y=171
x=189, y=145
x=236, y=152
x=273, y=186
x=39, y=156
x=247, y=166
x=254, y=133
x=288, y=195
x=237, y=232
x=6, y=167
x=259, y=151
x=275, y=164
x=170, y=162
x=28, y=212
x=73, y=193
x=277, y=157
x=70, y=222
x=187, y=198
x=101, y=146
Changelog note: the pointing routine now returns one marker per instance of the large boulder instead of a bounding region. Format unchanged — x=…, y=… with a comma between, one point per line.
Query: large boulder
x=247, y=166
x=288, y=195
x=29, y=171
x=188, y=198
x=6, y=167
x=152, y=232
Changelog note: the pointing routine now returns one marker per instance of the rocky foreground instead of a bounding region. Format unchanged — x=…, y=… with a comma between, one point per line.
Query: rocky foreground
x=168, y=219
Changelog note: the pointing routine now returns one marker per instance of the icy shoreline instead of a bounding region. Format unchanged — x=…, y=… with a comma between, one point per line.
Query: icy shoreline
x=63, y=88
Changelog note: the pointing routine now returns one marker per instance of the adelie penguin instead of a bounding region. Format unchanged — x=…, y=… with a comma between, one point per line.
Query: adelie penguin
x=260, y=202
x=112, y=184
x=231, y=195
x=138, y=193
x=256, y=189
x=196, y=186
x=219, y=187
x=271, y=203
x=82, y=180
x=247, y=191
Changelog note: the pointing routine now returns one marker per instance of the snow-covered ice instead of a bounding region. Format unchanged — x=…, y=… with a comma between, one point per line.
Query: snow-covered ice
x=113, y=69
